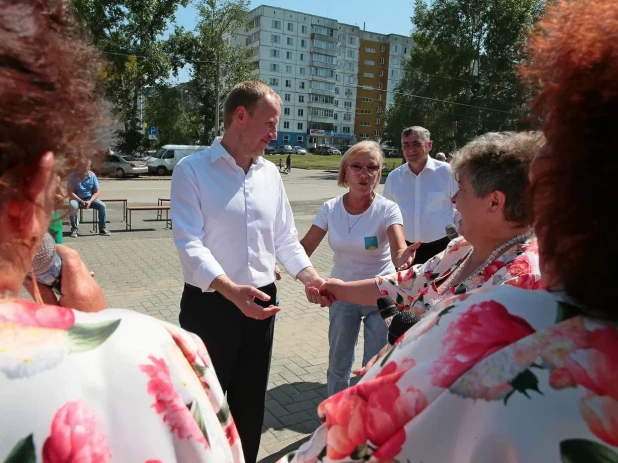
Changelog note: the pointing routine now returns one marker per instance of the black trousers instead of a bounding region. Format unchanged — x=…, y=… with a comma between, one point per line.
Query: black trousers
x=240, y=349
x=427, y=250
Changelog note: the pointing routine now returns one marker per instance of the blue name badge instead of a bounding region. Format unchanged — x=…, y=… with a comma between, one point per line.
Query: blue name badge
x=371, y=243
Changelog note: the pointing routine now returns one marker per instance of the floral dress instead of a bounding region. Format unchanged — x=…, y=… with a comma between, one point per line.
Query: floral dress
x=497, y=375
x=111, y=386
x=416, y=288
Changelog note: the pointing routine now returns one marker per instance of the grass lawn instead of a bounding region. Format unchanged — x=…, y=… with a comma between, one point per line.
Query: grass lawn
x=318, y=162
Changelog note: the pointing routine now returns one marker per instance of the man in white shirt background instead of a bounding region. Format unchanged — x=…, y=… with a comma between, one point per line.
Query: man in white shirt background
x=232, y=219
x=423, y=188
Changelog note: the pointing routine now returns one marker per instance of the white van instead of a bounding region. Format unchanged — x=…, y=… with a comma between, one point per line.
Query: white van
x=164, y=160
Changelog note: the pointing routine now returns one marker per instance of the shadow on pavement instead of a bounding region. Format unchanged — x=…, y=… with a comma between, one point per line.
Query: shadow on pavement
x=283, y=452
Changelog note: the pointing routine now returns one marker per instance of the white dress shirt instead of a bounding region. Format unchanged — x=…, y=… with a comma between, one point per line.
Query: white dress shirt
x=232, y=223
x=425, y=199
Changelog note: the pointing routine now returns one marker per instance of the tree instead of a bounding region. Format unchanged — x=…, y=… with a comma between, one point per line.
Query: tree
x=172, y=110
x=216, y=65
x=460, y=80
x=128, y=34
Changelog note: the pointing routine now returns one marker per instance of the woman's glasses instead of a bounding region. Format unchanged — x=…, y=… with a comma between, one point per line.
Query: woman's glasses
x=358, y=169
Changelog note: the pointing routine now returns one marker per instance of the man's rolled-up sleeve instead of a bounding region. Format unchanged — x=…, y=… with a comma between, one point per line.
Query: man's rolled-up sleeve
x=287, y=246
x=188, y=231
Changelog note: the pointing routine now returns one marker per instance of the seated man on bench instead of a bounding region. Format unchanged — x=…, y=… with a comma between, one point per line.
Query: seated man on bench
x=83, y=189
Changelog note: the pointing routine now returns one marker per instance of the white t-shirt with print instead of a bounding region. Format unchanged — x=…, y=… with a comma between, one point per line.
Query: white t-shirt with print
x=364, y=252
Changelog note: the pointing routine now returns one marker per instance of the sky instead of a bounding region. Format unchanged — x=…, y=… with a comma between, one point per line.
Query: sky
x=395, y=19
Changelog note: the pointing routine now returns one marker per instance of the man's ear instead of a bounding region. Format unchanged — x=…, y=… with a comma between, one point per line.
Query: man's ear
x=31, y=195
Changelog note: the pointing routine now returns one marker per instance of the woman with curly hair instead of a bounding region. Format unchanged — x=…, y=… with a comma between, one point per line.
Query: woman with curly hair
x=80, y=383
x=504, y=374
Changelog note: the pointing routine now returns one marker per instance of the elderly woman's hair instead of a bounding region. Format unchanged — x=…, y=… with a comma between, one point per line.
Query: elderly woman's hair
x=500, y=161
x=47, y=83
x=351, y=154
x=574, y=65
x=441, y=157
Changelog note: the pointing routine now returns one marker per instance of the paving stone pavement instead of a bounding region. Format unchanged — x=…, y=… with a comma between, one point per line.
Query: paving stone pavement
x=140, y=270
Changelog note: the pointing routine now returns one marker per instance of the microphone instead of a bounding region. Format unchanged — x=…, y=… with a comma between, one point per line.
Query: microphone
x=402, y=322
x=387, y=309
x=451, y=231
x=47, y=264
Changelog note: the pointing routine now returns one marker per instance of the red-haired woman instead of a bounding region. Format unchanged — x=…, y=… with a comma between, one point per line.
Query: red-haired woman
x=508, y=375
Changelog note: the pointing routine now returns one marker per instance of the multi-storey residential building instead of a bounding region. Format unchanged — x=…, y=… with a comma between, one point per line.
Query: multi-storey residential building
x=313, y=63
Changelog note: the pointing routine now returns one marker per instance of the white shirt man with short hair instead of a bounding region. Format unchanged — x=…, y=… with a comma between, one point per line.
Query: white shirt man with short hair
x=232, y=220
x=423, y=189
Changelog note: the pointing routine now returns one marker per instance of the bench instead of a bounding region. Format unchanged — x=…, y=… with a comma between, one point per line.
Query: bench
x=160, y=202
x=159, y=209
x=95, y=218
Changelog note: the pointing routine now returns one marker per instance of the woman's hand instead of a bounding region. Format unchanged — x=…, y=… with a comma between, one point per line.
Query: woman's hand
x=80, y=291
x=406, y=258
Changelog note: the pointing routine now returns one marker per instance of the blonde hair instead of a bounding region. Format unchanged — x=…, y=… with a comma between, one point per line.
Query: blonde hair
x=246, y=94
x=361, y=147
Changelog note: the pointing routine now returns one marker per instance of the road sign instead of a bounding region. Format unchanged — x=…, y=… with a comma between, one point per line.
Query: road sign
x=153, y=132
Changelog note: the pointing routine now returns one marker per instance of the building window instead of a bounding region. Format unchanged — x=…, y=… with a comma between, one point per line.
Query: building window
x=381, y=73
x=395, y=73
x=380, y=97
x=290, y=41
x=346, y=129
x=303, y=43
x=288, y=83
x=369, y=62
x=396, y=48
x=273, y=81
x=348, y=92
x=349, y=66
x=286, y=125
x=303, y=29
x=300, y=139
x=351, y=54
x=321, y=112
x=351, y=40
x=275, y=38
x=405, y=51
x=365, y=124
x=287, y=97
x=348, y=79
x=347, y=117
x=301, y=112
x=337, y=91
x=379, y=84
x=300, y=126
x=395, y=62
x=286, y=139
x=370, y=50
x=365, y=111
x=302, y=71
x=347, y=104
x=321, y=99
x=286, y=111
x=382, y=48
x=274, y=53
x=291, y=27
x=363, y=136
x=274, y=67
x=381, y=60
x=288, y=55
x=371, y=75
x=377, y=133
x=276, y=24
x=378, y=121
x=366, y=100
x=302, y=57
x=301, y=85
x=301, y=98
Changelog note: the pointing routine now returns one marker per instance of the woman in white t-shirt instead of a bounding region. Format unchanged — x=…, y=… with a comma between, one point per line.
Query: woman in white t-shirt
x=365, y=232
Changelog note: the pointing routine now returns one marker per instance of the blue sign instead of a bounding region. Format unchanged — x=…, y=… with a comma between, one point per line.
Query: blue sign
x=153, y=131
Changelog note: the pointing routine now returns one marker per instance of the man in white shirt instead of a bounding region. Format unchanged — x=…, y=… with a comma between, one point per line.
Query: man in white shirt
x=423, y=188
x=231, y=219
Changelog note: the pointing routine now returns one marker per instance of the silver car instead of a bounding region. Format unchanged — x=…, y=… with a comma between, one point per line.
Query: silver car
x=299, y=150
x=121, y=166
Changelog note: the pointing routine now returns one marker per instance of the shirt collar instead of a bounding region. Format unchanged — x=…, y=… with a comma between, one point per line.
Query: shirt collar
x=217, y=151
x=431, y=164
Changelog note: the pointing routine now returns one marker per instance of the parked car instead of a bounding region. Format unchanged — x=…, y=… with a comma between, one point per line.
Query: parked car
x=285, y=149
x=299, y=150
x=270, y=150
x=164, y=160
x=325, y=149
x=121, y=165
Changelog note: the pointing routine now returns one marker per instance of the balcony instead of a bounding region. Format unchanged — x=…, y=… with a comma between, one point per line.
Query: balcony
x=328, y=120
x=318, y=91
x=320, y=64
x=322, y=51
x=326, y=38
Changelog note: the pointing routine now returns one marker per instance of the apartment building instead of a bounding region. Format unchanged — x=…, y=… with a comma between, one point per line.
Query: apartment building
x=314, y=64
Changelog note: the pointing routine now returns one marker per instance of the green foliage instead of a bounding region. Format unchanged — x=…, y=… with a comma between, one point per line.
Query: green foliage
x=465, y=52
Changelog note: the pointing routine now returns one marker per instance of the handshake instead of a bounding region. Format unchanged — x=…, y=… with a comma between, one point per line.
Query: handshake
x=325, y=292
